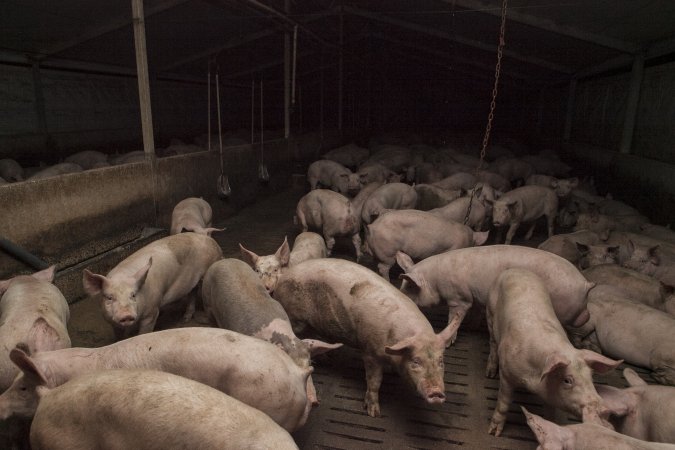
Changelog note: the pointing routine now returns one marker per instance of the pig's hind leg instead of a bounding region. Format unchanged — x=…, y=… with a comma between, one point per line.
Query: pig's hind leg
x=493, y=359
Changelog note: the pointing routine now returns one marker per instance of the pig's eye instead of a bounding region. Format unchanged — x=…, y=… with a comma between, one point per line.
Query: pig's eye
x=416, y=362
x=107, y=297
x=23, y=388
x=569, y=381
x=133, y=295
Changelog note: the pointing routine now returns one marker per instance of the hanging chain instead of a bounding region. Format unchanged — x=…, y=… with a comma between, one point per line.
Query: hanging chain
x=493, y=104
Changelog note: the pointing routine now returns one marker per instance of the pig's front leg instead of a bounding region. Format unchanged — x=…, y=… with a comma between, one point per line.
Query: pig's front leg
x=373, y=382
x=550, y=219
x=530, y=231
x=504, y=399
x=512, y=231
x=384, y=268
x=356, y=240
x=147, y=324
x=330, y=243
x=457, y=306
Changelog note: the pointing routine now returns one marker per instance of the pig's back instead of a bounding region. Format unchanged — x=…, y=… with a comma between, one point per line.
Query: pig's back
x=147, y=409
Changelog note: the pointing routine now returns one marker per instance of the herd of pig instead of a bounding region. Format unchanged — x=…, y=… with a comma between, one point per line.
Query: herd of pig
x=582, y=302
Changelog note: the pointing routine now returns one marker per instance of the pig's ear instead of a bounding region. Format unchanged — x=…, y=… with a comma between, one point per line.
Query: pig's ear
x=319, y=347
x=615, y=400
x=401, y=347
x=27, y=365
x=633, y=378
x=546, y=432
x=479, y=237
x=415, y=278
x=283, y=254
x=142, y=274
x=248, y=256
x=46, y=274
x=583, y=248
x=512, y=204
x=655, y=255
x=93, y=283
x=599, y=363
x=451, y=330
x=554, y=361
x=404, y=261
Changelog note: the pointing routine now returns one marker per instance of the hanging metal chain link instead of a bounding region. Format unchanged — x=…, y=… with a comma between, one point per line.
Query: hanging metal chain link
x=493, y=104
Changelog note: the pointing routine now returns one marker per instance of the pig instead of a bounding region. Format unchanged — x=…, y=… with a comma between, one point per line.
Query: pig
x=333, y=215
x=208, y=355
x=460, y=180
x=525, y=204
x=457, y=209
x=641, y=411
x=56, y=170
x=635, y=285
x=349, y=303
x=565, y=245
x=192, y=214
x=601, y=223
x=584, y=436
x=423, y=173
x=393, y=157
x=147, y=409
x=658, y=232
x=235, y=299
x=87, y=159
x=624, y=329
x=653, y=261
x=388, y=196
x=34, y=312
x=307, y=245
x=419, y=234
x=461, y=276
x=374, y=172
x=593, y=255
x=128, y=158
x=430, y=196
x=334, y=176
x=156, y=275
x=10, y=170
x=530, y=349
x=350, y=155
x=495, y=180
x=562, y=187
x=513, y=169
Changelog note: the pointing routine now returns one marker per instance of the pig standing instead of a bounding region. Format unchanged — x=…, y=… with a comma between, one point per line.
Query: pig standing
x=641, y=411
x=388, y=196
x=192, y=214
x=34, y=312
x=148, y=409
x=624, y=329
x=563, y=187
x=346, y=302
x=419, y=234
x=235, y=299
x=525, y=204
x=461, y=276
x=636, y=286
x=530, y=349
x=158, y=274
x=307, y=245
x=333, y=214
x=10, y=170
x=480, y=209
x=56, y=170
x=223, y=359
x=584, y=436
x=334, y=176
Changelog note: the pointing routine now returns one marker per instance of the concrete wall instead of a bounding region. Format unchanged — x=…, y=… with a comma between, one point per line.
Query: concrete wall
x=68, y=219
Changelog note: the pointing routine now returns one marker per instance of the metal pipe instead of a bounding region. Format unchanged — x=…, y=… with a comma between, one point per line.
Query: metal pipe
x=632, y=104
x=22, y=255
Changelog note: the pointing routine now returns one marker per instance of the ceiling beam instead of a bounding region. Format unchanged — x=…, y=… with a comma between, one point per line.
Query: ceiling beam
x=115, y=24
x=513, y=14
x=451, y=37
x=450, y=57
x=236, y=42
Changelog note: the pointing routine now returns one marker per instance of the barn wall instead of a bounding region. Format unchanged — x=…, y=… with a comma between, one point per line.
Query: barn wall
x=68, y=219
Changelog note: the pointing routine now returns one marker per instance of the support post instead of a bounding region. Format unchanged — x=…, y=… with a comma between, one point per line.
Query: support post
x=569, y=116
x=143, y=77
x=321, y=103
x=632, y=103
x=287, y=76
x=40, y=112
x=341, y=69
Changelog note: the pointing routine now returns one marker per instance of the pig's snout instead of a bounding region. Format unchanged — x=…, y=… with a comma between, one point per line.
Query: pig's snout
x=435, y=396
x=126, y=320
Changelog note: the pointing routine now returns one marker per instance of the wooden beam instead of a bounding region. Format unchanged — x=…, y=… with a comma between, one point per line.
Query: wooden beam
x=96, y=31
x=514, y=15
x=632, y=104
x=451, y=37
x=143, y=77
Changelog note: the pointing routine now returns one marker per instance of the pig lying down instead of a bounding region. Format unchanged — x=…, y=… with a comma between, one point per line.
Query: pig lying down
x=33, y=312
x=348, y=303
x=162, y=272
x=248, y=369
x=530, y=349
x=149, y=410
x=192, y=214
